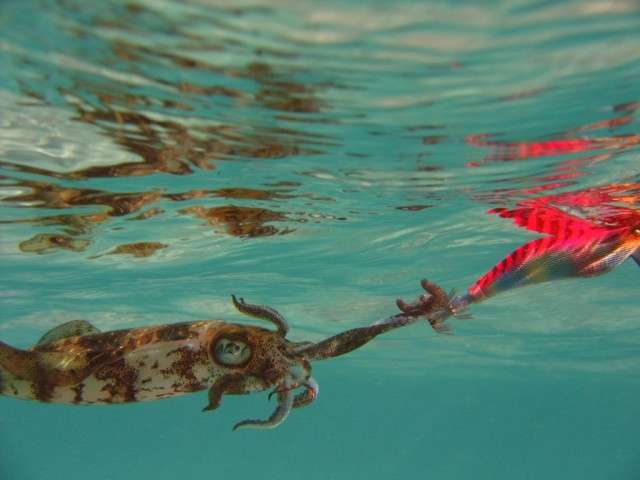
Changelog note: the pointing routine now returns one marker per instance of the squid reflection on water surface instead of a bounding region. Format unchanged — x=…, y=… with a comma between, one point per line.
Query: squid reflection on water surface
x=77, y=364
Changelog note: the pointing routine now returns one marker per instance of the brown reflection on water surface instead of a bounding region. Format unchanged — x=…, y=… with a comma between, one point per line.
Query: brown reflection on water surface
x=240, y=221
x=138, y=249
x=181, y=110
x=44, y=243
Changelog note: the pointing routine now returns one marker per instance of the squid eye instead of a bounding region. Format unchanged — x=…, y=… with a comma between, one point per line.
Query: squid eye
x=231, y=352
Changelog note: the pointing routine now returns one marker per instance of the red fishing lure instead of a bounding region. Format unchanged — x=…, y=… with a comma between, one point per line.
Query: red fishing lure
x=573, y=248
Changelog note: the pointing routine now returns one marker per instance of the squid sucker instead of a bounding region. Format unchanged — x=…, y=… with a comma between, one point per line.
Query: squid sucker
x=75, y=363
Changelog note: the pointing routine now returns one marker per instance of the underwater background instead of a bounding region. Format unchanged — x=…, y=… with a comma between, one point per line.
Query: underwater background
x=322, y=157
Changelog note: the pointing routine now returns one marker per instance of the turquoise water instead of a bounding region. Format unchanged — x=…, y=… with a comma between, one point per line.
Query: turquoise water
x=321, y=158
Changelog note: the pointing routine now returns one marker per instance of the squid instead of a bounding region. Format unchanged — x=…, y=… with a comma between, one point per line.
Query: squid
x=75, y=363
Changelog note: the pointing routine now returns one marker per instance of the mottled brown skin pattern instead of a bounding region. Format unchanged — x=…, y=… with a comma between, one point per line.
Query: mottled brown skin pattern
x=181, y=367
x=77, y=364
x=71, y=360
x=121, y=381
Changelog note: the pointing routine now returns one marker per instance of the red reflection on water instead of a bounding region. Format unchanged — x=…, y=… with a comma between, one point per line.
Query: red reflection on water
x=501, y=196
x=515, y=151
x=614, y=122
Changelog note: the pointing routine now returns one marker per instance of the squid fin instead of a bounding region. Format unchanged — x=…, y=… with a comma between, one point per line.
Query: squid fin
x=52, y=368
x=66, y=330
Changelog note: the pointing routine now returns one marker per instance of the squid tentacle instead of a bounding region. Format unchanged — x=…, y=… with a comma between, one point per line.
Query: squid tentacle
x=308, y=395
x=350, y=340
x=279, y=415
x=231, y=384
x=263, y=312
x=304, y=398
x=436, y=305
